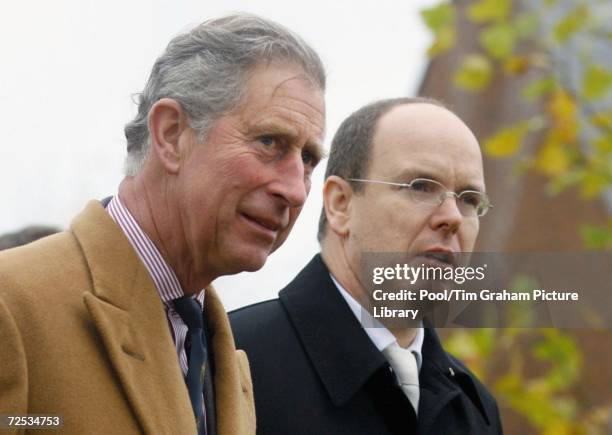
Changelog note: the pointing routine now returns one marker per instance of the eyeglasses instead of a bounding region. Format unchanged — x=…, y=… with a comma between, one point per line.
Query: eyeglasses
x=470, y=203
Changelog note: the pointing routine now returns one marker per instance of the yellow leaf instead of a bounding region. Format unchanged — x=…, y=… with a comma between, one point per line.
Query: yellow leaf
x=506, y=142
x=537, y=88
x=603, y=144
x=552, y=159
x=498, y=40
x=439, y=16
x=559, y=428
x=603, y=120
x=475, y=73
x=516, y=65
x=562, y=109
x=597, y=81
x=592, y=185
x=441, y=20
x=444, y=40
x=571, y=23
x=483, y=11
x=562, y=106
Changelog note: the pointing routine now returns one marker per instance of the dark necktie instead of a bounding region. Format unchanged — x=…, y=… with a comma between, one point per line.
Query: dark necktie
x=190, y=311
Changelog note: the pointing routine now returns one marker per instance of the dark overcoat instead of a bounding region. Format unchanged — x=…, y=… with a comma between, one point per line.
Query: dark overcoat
x=315, y=371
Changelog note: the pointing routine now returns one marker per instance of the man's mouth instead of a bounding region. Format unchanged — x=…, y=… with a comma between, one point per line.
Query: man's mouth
x=267, y=224
x=444, y=257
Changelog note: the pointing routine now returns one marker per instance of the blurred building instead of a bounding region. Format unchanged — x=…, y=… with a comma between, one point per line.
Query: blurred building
x=525, y=217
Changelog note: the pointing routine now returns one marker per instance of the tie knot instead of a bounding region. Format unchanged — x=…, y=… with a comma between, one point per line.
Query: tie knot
x=404, y=363
x=190, y=311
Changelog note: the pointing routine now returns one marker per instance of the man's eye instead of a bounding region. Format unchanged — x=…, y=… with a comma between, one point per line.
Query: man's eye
x=425, y=186
x=267, y=141
x=309, y=159
x=471, y=198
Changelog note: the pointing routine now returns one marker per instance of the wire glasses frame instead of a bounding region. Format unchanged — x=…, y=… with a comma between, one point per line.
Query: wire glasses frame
x=471, y=203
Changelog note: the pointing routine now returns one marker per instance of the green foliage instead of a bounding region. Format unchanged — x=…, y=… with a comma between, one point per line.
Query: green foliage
x=596, y=82
x=525, y=25
x=473, y=348
x=572, y=129
x=439, y=16
x=521, y=313
x=483, y=11
x=441, y=21
x=570, y=123
x=475, y=73
x=537, y=88
x=506, y=142
x=561, y=352
x=598, y=237
x=498, y=40
x=546, y=398
x=603, y=121
x=571, y=23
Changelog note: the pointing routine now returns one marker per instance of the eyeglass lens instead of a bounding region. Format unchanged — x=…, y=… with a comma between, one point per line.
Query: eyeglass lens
x=431, y=192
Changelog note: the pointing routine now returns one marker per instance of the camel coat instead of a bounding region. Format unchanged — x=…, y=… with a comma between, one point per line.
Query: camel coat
x=83, y=335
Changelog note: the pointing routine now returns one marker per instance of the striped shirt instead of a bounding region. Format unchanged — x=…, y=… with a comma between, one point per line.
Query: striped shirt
x=163, y=276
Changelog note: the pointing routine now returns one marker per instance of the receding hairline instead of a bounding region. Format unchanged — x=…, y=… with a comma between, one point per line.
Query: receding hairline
x=408, y=124
x=414, y=107
x=411, y=118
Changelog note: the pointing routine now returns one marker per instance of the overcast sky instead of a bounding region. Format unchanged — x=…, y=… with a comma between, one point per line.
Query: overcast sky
x=69, y=68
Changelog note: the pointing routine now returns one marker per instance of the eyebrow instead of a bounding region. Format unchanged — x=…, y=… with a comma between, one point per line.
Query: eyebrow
x=316, y=149
x=412, y=173
x=291, y=134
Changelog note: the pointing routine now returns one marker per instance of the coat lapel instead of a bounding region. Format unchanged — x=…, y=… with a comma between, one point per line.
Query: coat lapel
x=339, y=349
x=129, y=316
x=442, y=380
x=235, y=410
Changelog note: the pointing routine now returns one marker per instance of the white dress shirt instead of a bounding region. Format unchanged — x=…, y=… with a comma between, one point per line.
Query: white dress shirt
x=379, y=334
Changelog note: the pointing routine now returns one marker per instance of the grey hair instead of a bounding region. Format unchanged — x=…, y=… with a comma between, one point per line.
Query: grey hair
x=350, y=151
x=205, y=70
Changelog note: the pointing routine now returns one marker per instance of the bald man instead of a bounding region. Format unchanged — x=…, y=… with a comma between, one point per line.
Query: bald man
x=405, y=176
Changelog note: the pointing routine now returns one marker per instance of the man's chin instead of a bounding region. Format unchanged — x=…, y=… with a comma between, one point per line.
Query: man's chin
x=248, y=261
x=254, y=266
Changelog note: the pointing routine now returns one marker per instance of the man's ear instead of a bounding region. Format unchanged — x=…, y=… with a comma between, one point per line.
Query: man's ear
x=167, y=122
x=337, y=195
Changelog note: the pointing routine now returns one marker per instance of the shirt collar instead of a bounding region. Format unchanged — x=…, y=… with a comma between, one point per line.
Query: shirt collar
x=163, y=276
x=379, y=334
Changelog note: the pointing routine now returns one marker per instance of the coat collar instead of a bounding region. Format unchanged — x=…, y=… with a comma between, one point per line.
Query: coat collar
x=443, y=378
x=341, y=352
x=344, y=356
x=129, y=316
x=235, y=413
x=130, y=319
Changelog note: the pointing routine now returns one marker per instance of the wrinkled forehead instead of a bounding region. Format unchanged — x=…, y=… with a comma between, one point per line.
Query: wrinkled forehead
x=280, y=86
x=422, y=139
x=278, y=77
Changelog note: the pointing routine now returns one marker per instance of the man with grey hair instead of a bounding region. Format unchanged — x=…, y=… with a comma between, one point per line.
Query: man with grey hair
x=112, y=326
x=404, y=176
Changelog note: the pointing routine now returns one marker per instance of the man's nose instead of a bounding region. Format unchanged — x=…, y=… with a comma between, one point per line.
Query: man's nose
x=290, y=183
x=447, y=215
